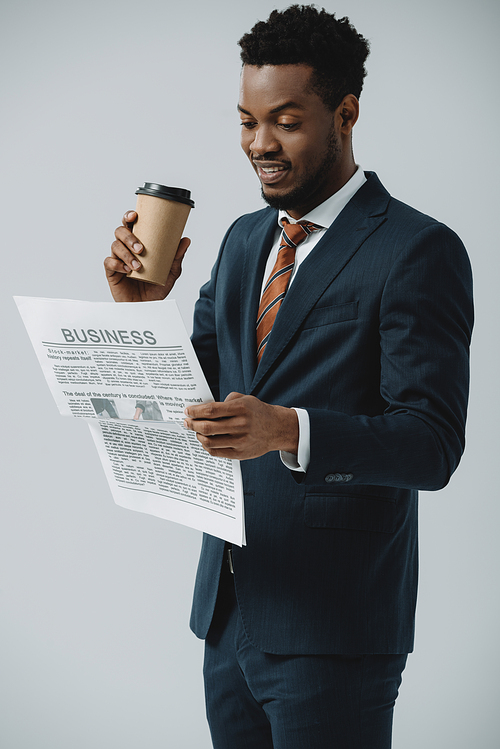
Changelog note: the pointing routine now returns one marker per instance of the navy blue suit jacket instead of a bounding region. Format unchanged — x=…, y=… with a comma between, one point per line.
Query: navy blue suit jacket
x=372, y=339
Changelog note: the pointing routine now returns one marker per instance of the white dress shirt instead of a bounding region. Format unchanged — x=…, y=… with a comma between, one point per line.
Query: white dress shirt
x=323, y=215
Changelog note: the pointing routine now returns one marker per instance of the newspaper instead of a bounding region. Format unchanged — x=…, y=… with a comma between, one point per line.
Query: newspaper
x=129, y=370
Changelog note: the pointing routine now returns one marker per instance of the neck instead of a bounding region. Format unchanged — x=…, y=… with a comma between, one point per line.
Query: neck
x=343, y=174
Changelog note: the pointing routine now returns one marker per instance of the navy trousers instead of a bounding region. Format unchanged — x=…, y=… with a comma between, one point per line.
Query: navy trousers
x=256, y=700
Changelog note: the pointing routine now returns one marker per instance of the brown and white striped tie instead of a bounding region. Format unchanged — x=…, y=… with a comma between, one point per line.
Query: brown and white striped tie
x=277, y=283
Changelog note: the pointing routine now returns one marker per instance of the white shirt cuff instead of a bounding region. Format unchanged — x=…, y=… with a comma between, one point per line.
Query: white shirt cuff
x=300, y=462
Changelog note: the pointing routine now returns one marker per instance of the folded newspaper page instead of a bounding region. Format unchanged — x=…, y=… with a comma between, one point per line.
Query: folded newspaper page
x=129, y=370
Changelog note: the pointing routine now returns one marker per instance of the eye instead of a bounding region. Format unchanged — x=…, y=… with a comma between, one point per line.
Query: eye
x=287, y=126
x=247, y=125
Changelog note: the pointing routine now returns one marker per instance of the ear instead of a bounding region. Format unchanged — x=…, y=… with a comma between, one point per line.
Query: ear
x=348, y=113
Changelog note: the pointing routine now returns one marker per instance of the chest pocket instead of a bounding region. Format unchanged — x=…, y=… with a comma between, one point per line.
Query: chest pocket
x=328, y=315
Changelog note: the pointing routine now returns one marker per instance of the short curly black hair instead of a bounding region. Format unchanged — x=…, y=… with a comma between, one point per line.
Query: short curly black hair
x=301, y=34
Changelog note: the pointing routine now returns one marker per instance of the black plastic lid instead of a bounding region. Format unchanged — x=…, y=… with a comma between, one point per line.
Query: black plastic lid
x=168, y=193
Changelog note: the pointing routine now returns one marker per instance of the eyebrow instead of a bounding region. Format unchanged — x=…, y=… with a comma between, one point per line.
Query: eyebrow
x=287, y=105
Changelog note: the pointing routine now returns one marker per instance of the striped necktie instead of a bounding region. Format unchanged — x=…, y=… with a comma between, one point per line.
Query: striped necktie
x=277, y=283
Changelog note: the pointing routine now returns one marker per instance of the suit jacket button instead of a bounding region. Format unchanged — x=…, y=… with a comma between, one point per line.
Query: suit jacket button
x=348, y=477
x=330, y=477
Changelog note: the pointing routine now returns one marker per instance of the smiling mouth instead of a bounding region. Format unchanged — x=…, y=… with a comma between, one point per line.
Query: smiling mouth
x=271, y=169
x=270, y=173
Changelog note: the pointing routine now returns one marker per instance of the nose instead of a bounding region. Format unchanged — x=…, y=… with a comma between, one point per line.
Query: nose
x=264, y=141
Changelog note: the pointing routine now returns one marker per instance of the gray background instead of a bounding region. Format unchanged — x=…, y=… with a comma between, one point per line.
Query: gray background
x=98, y=97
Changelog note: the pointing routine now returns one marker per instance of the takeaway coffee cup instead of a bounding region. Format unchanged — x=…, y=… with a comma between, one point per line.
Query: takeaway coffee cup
x=162, y=214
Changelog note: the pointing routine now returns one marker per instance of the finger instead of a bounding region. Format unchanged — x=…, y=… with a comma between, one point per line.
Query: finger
x=129, y=219
x=233, y=396
x=176, y=267
x=182, y=248
x=221, y=442
x=124, y=248
x=232, y=451
x=228, y=427
x=124, y=260
x=113, y=265
x=225, y=453
x=214, y=410
x=125, y=236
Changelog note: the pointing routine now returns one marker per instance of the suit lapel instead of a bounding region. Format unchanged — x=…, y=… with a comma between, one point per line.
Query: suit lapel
x=361, y=217
x=256, y=252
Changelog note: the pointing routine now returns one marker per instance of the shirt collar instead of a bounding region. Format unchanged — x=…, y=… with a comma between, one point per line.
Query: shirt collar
x=325, y=214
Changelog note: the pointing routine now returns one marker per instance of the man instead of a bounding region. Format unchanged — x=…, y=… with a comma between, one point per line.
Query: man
x=337, y=352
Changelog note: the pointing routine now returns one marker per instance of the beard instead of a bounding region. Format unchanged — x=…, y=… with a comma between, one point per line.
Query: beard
x=312, y=183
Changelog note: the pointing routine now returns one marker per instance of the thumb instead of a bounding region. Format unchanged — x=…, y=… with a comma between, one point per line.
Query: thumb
x=233, y=396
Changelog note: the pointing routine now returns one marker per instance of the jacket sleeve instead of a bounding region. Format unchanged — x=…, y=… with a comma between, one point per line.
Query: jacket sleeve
x=425, y=326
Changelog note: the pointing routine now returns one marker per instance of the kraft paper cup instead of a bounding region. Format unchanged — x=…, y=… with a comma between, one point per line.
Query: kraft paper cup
x=162, y=214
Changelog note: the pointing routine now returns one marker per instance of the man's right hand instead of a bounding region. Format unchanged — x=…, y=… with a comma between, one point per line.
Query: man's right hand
x=122, y=261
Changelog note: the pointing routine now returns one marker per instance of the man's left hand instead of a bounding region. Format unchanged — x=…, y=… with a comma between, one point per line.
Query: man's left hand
x=243, y=427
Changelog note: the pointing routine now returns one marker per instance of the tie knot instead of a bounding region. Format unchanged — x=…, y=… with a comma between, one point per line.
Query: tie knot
x=293, y=234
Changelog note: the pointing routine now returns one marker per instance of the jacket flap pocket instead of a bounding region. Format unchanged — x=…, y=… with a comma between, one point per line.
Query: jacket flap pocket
x=351, y=512
x=326, y=315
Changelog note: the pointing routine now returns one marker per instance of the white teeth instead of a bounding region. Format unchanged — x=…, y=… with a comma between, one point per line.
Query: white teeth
x=271, y=169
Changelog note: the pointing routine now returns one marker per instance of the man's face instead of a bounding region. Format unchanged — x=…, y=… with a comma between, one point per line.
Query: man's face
x=290, y=137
